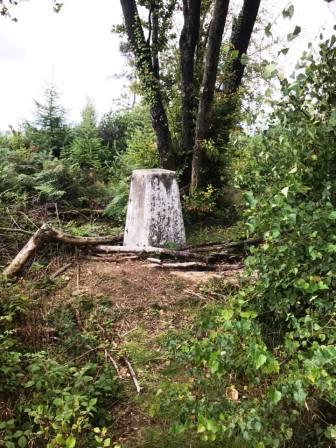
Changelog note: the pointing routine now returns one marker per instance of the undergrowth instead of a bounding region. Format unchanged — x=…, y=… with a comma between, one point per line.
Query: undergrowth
x=56, y=387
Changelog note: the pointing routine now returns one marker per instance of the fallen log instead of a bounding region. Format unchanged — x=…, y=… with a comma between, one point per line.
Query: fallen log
x=47, y=233
x=57, y=235
x=222, y=245
x=148, y=250
x=26, y=252
x=183, y=265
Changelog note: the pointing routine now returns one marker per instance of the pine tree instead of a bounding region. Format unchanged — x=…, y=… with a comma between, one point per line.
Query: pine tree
x=88, y=149
x=49, y=131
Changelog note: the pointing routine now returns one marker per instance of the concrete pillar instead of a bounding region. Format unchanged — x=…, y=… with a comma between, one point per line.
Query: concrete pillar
x=154, y=215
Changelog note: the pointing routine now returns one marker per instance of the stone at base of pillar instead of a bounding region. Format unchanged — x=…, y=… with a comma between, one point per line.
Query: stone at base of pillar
x=154, y=214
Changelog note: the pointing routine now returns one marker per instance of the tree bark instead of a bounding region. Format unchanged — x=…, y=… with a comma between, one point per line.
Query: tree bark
x=239, y=42
x=188, y=42
x=208, y=86
x=150, y=82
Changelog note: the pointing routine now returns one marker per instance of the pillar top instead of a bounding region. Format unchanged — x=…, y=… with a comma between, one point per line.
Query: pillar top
x=150, y=171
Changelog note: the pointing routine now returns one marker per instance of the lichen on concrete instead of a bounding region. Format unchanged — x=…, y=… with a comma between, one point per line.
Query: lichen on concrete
x=154, y=214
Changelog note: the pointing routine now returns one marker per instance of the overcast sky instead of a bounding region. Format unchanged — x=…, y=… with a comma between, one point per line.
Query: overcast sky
x=77, y=51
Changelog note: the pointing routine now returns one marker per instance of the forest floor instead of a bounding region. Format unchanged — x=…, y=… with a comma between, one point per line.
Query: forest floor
x=146, y=304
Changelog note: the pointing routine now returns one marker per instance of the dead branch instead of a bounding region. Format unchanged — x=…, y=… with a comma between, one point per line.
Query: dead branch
x=148, y=250
x=220, y=245
x=26, y=252
x=196, y=294
x=60, y=271
x=98, y=257
x=13, y=230
x=45, y=233
x=82, y=211
x=57, y=235
x=185, y=265
x=231, y=267
x=113, y=362
x=132, y=373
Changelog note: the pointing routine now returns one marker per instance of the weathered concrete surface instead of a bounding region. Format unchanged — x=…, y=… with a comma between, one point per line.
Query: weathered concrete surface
x=154, y=214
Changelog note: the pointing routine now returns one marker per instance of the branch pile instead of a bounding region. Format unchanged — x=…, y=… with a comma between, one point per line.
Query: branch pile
x=209, y=256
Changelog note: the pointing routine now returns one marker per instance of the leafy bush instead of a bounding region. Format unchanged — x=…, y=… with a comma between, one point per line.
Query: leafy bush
x=47, y=401
x=263, y=366
x=141, y=152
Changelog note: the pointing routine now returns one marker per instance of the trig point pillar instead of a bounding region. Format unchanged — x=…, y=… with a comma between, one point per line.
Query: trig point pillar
x=154, y=214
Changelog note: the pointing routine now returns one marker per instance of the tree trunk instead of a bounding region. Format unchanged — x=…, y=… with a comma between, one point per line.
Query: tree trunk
x=188, y=41
x=150, y=82
x=208, y=86
x=240, y=40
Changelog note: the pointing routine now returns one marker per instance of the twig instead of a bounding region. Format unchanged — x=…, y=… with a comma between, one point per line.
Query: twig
x=10, y=230
x=133, y=375
x=196, y=294
x=113, y=362
x=78, y=268
x=57, y=215
x=60, y=271
x=12, y=218
x=28, y=219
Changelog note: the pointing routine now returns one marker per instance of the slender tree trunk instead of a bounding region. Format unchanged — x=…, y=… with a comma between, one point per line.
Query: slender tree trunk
x=208, y=86
x=188, y=42
x=240, y=40
x=150, y=81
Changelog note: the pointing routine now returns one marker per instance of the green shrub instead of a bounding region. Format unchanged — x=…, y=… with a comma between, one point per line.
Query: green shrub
x=141, y=152
x=262, y=367
x=48, y=401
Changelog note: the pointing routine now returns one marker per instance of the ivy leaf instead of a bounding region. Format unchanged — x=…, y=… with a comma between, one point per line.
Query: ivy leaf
x=288, y=13
x=268, y=29
x=284, y=51
x=294, y=34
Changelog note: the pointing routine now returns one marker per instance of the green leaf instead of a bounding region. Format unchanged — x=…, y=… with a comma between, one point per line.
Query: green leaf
x=227, y=314
x=269, y=71
x=284, y=51
x=332, y=215
x=70, y=442
x=294, y=34
x=268, y=29
x=260, y=361
x=22, y=442
x=107, y=442
x=275, y=396
x=201, y=428
x=284, y=191
x=287, y=13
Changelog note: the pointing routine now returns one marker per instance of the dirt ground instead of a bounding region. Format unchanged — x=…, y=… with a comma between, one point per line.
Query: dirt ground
x=150, y=302
x=148, y=296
